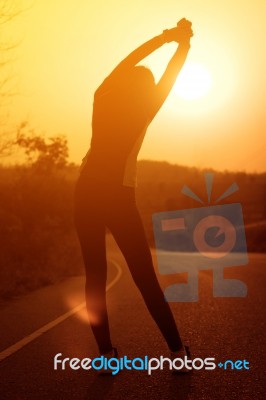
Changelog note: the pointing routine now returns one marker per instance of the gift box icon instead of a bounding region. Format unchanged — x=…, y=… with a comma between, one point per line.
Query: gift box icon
x=203, y=238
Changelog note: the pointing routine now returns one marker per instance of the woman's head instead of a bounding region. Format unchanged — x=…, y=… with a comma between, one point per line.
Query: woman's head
x=142, y=78
x=138, y=85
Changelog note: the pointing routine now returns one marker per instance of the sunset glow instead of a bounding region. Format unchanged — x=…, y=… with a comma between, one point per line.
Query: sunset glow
x=193, y=82
x=66, y=49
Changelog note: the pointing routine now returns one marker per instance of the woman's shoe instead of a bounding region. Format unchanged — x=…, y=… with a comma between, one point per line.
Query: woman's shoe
x=182, y=353
x=107, y=356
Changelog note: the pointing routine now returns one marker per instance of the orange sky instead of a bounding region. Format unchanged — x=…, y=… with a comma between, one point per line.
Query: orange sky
x=68, y=47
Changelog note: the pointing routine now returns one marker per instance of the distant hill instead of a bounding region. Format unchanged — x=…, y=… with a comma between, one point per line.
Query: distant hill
x=160, y=184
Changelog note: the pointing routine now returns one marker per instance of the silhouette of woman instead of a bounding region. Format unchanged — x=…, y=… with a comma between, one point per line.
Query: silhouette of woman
x=124, y=105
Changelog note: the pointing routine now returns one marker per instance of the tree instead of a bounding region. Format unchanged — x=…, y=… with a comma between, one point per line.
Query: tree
x=8, y=12
x=43, y=154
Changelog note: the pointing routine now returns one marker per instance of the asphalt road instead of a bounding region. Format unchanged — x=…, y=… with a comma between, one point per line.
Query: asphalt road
x=223, y=328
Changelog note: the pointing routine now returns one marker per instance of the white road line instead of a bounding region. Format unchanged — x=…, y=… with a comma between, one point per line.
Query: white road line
x=27, y=339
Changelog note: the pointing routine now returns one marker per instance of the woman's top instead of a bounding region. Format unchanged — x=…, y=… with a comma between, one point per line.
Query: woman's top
x=119, y=123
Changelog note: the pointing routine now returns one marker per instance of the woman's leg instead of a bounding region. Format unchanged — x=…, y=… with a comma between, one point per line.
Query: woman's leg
x=91, y=233
x=126, y=226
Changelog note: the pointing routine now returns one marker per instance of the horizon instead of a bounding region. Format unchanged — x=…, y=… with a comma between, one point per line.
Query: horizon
x=71, y=163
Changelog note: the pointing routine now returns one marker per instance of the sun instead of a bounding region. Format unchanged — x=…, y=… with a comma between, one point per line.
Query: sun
x=193, y=82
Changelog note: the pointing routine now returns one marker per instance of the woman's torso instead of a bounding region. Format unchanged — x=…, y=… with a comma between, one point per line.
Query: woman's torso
x=119, y=125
